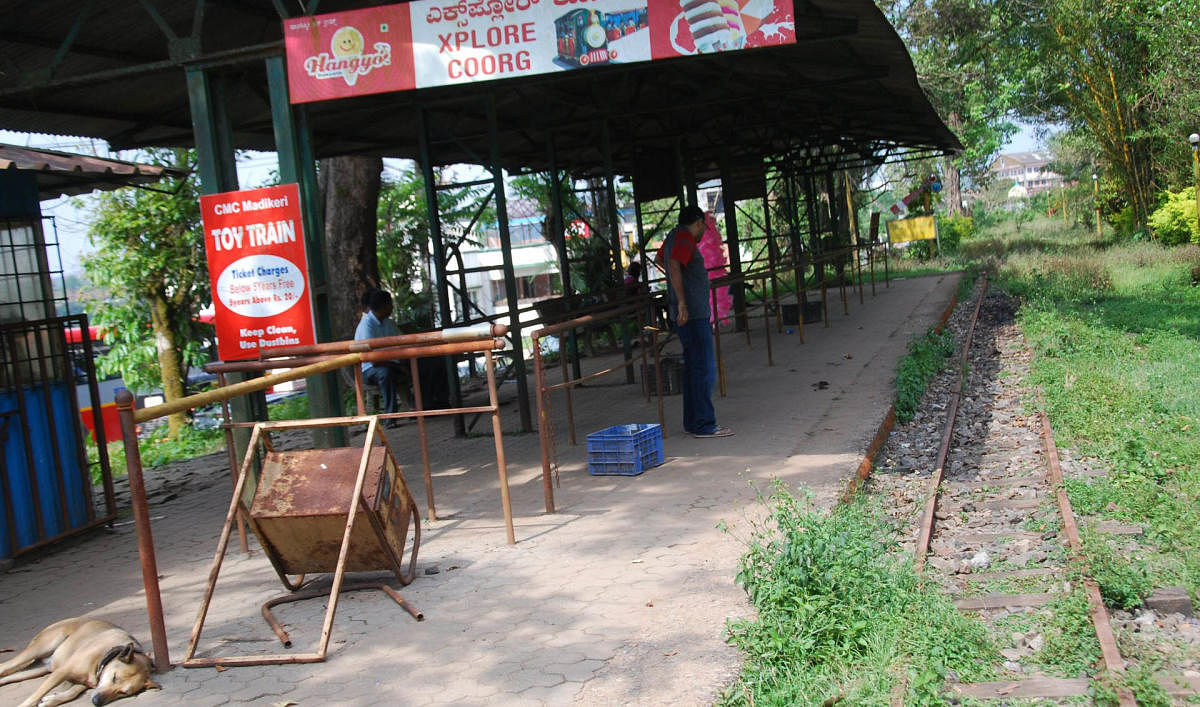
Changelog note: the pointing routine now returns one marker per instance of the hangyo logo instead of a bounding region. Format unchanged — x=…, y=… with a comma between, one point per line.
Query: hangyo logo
x=346, y=58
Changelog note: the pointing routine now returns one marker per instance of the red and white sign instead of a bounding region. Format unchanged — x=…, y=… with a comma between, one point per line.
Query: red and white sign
x=438, y=42
x=258, y=267
x=350, y=53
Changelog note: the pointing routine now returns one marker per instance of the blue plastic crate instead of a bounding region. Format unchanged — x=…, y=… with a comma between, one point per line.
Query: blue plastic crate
x=624, y=450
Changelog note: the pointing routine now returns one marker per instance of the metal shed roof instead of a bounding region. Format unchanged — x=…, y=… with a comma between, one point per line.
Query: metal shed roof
x=65, y=174
x=115, y=70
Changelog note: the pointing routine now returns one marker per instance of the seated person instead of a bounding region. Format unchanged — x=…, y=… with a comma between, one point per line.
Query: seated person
x=376, y=322
x=633, y=279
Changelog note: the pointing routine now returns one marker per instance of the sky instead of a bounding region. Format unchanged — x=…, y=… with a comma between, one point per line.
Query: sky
x=71, y=222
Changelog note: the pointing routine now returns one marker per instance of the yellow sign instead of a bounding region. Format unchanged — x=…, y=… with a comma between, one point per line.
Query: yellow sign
x=918, y=228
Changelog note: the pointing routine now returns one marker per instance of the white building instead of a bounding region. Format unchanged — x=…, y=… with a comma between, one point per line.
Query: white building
x=1027, y=169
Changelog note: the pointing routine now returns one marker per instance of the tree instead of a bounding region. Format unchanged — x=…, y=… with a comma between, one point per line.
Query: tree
x=1122, y=74
x=150, y=262
x=350, y=188
x=954, y=45
x=404, y=231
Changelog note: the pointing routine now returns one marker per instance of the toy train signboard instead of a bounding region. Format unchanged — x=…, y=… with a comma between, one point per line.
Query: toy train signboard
x=438, y=43
x=258, y=268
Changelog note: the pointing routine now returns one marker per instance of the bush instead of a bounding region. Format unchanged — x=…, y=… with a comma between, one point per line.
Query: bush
x=953, y=230
x=1175, y=221
x=839, y=612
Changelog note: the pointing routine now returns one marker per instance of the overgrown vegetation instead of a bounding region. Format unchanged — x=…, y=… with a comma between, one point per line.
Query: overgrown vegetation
x=841, y=617
x=924, y=359
x=1115, y=329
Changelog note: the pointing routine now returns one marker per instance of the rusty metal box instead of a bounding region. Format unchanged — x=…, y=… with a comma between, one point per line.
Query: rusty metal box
x=300, y=508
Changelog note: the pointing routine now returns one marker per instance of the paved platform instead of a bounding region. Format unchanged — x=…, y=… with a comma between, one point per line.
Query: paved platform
x=619, y=597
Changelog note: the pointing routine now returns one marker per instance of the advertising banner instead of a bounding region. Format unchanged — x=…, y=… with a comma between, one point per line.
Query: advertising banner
x=350, y=53
x=438, y=42
x=258, y=268
x=918, y=228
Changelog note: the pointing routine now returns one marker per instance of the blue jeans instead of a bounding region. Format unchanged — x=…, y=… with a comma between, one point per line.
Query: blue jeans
x=384, y=377
x=699, y=375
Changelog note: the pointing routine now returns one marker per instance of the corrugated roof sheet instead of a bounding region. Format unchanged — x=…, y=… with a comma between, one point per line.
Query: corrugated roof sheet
x=62, y=173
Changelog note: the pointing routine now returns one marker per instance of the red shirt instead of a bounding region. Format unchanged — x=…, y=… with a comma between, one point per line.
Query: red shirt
x=685, y=247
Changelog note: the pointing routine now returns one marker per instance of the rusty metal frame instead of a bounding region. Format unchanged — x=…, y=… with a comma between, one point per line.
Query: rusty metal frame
x=632, y=306
x=261, y=435
x=483, y=338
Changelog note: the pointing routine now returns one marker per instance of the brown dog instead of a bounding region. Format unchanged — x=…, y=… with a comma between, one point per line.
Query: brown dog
x=84, y=653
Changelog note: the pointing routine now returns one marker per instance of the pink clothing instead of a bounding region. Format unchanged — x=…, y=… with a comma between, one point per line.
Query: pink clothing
x=712, y=248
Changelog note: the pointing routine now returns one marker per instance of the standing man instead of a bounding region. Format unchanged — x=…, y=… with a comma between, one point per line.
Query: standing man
x=688, y=298
x=376, y=322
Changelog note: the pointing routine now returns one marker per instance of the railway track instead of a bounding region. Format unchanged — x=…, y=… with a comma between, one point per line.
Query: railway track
x=979, y=476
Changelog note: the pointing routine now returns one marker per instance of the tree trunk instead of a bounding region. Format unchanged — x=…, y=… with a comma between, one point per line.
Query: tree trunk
x=952, y=180
x=170, y=363
x=350, y=190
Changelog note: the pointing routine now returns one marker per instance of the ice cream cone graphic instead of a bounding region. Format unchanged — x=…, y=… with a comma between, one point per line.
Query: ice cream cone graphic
x=347, y=43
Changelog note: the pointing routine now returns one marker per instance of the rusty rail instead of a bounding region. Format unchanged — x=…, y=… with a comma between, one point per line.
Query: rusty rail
x=935, y=482
x=1113, y=662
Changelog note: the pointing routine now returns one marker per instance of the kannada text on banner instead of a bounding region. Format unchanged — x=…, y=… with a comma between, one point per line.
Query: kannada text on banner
x=258, y=268
x=918, y=228
x=436, y=43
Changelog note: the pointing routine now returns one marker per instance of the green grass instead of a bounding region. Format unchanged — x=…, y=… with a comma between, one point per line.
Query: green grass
x=1071, y=648
x=838, y=614
x=925, y=357
x=159, y=451
x=1116, y=332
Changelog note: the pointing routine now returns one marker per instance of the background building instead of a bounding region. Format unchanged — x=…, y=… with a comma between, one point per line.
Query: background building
x=1029, y=169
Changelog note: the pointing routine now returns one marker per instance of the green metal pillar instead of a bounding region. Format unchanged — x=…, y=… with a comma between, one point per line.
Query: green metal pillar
x=293, y=144
x=439, y=262
x=510, y=278
x=741, y=320
x=217, y=166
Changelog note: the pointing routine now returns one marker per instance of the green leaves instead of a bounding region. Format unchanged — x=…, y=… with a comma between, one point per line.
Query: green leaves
x=837, y=610
x=924, y=359
x=149, y=253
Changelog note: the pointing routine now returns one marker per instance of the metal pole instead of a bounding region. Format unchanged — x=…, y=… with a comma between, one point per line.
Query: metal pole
x=141, y=521
x=610, y=202
x=415, y=374
x=854, y=240
x=716, y=326
x=233, y=464
x=741, y=319
x=658, y=382
x=501, y=463
x=558, y=232
x=297, y=164
x=110, y=503
x=510, y=278
x=1194, y=138
x=539, y=380
x=767, y=330
x=439, y=261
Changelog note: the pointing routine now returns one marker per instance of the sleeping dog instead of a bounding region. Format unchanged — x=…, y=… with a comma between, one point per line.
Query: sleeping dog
x=82, y=653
